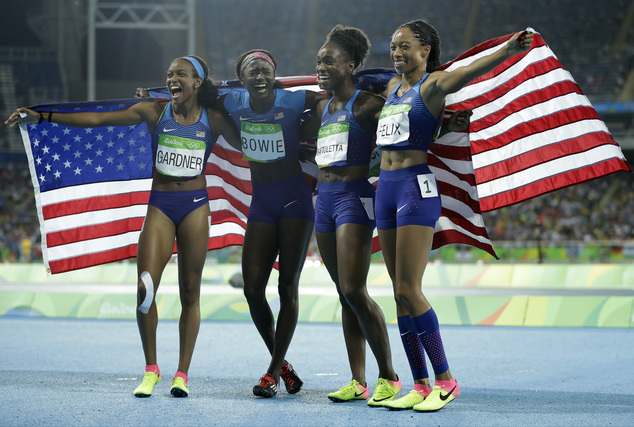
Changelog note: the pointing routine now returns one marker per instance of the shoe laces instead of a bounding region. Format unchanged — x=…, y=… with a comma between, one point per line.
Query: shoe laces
x=354, y=384
x=287, y=375
x=382, y=389
x=266, y=380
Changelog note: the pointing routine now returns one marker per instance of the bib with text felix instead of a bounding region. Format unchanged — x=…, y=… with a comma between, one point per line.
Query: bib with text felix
x=393, y=127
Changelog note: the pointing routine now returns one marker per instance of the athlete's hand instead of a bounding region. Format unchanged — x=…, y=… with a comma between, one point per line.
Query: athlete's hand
x=22, y=115
x=520, y=42
x=141, y=93
x=459, y=120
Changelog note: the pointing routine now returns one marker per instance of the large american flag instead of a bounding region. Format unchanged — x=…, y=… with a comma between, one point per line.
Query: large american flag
x=532, y=132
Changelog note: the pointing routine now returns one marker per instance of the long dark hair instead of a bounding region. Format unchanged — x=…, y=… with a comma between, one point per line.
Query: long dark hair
x=427, y=35
x=354, y=41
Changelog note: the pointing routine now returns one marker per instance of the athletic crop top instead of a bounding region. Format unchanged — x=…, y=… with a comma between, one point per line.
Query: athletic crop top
x=405, y=122
x=269, y=136
x=179, y=150
x=341, y=140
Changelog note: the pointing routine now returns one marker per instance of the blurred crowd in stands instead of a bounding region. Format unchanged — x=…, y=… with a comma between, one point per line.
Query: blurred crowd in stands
x=19, y=227
x=597, y=210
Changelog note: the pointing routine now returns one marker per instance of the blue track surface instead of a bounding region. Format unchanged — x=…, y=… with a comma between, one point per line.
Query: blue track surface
x=83, y=372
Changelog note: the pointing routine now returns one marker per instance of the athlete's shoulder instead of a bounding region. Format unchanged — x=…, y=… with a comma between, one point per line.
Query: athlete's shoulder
x=290, y=98
x=236, y=99
x=368, y=103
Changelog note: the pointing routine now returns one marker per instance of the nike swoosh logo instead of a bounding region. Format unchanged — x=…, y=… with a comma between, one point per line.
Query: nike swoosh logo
x=288, y=204
x=405, y=333
x=399, y=209
x=358, y=394
x=381, y=400
x=444, y=397
x=198, y=200
x=168, y=130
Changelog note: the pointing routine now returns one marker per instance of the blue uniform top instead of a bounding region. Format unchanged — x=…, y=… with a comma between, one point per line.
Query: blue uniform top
x=274, y=135
x=180, y=150
x=341, y=140
x=405, y=122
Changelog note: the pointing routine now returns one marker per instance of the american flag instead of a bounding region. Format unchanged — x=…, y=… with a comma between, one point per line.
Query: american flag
x=532, y=131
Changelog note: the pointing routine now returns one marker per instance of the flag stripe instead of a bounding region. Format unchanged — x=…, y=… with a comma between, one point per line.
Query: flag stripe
x=553, y=182
x=539, y=155
x=97, y=203
x=94, y=231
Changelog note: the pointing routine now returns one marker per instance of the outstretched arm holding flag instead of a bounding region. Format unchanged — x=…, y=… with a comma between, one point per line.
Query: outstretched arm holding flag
x=183, y=132
x=408, y=198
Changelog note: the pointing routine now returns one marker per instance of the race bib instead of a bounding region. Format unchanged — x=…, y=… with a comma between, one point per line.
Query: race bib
x=368, y=205
x=375, y=163
x=393, y=127
x=182, y=157
x=332, y=145
x=427, y=184
x=262, y=142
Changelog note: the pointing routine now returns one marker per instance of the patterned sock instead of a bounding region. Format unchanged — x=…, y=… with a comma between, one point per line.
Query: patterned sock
x=429, y=333
x=413, y=347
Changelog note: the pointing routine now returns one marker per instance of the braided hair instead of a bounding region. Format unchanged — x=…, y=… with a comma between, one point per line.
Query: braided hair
x=428, y=36
x=354, y=41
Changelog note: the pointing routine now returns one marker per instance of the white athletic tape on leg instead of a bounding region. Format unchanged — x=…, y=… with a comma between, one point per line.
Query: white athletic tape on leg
x=149, y=292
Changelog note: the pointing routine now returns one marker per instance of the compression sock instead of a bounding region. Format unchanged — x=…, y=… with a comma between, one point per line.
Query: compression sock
x=413, y=347
x=429, y=333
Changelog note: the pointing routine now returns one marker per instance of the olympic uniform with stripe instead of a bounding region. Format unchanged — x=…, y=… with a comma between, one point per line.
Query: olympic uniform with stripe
x=342, y=142
x=270, y=137
x=180, y=151
x=407, y=196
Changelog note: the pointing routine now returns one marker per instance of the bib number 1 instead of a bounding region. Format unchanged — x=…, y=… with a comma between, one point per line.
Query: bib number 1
x=427, y=185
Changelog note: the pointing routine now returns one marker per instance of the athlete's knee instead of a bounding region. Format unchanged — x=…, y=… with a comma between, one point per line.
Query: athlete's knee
x=288, y=292
x=190, y=296
x=254, y=294
x=145, y=293
x=355, y=296
x=404, y=296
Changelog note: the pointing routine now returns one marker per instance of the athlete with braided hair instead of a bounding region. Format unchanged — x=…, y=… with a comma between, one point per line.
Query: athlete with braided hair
x=407, y=199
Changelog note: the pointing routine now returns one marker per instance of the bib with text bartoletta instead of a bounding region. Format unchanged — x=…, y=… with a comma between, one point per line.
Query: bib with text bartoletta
x=332, y=145
x=182, y=157
x=262, y=142
x=393, y=127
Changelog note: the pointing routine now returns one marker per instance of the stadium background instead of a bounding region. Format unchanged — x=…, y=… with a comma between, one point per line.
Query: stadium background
x=566, y=257
x=45, y=56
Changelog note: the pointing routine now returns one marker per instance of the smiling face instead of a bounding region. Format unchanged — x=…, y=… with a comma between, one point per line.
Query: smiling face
x=407, y=52
x=258, y=78
x=333, y=66
x=181, y=80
